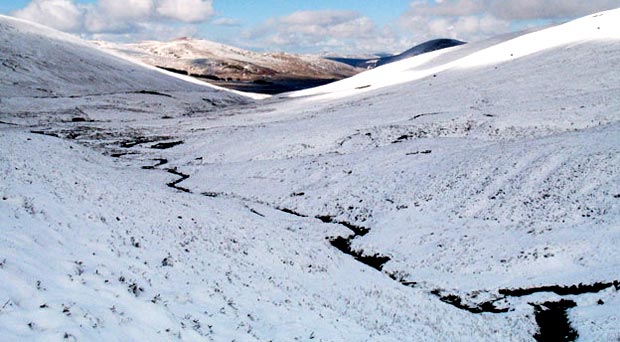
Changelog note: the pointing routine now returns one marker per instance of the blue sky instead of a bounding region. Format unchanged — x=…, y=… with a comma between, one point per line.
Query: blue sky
x=317, y=26
x=252, y=12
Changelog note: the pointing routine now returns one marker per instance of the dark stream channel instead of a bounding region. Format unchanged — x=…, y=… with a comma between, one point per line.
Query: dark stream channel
x=551, y=317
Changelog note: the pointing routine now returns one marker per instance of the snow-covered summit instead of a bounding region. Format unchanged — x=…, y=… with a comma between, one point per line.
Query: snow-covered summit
x=205, y=58
x=371, y=62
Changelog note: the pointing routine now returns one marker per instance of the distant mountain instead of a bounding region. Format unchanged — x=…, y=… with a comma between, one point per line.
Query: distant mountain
x=236, y=68
x=369, y=63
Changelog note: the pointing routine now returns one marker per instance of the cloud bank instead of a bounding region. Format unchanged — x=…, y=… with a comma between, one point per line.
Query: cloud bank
x=468, y=20
x=63, y=15
x=323, y=30
x=125, y=18
x=477, y=19
x=344, y=31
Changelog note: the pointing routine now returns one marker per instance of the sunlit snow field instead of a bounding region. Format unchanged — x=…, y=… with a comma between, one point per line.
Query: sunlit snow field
x=473, y=185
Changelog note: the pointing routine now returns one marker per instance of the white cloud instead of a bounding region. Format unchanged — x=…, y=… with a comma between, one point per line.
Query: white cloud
x=96, y=21
x=148, y=31
x=448, y=8
x=126, y=9
x=308, y=31
x=511, y=9
x=468, y=20
x=226, y=22
x=537, y=9
x=119, y=18
x=313, y=31
x=186, y=10
x=63, y=15
x=472, y=20
x=469, y=27
x=320, y=18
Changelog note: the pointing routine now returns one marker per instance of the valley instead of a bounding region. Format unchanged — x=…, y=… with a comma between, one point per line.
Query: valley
x=469, y=191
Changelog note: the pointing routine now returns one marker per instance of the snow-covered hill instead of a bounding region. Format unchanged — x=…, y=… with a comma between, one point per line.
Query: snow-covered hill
x=471, y=193
x=489, y=53
x=375, y=61
x=210, y=60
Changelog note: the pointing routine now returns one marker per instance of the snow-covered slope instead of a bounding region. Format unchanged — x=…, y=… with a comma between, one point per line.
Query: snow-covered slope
x=588, y=29
x=38, y=61
x=465, y=194
x=92, y=250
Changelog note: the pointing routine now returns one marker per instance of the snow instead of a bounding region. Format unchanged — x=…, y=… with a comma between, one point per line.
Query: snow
x=472, y=178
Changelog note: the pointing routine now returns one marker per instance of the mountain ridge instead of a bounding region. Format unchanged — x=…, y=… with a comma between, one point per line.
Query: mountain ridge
x=234, y=67
x=428, y=46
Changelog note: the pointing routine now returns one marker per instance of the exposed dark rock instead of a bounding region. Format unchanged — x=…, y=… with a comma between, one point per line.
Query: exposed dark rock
x=558, y=289
x=456, y=301
x=291, y=212
x=140, y=140
x=418, y=152
x=46, y=133
x=211, y=194
x=152, y=92
x=166, y=145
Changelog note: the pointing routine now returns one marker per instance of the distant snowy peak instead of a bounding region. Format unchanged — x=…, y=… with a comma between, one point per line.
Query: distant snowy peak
x=186, y=47
x=214, y=60
x=375, y=61
x=429, y=46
